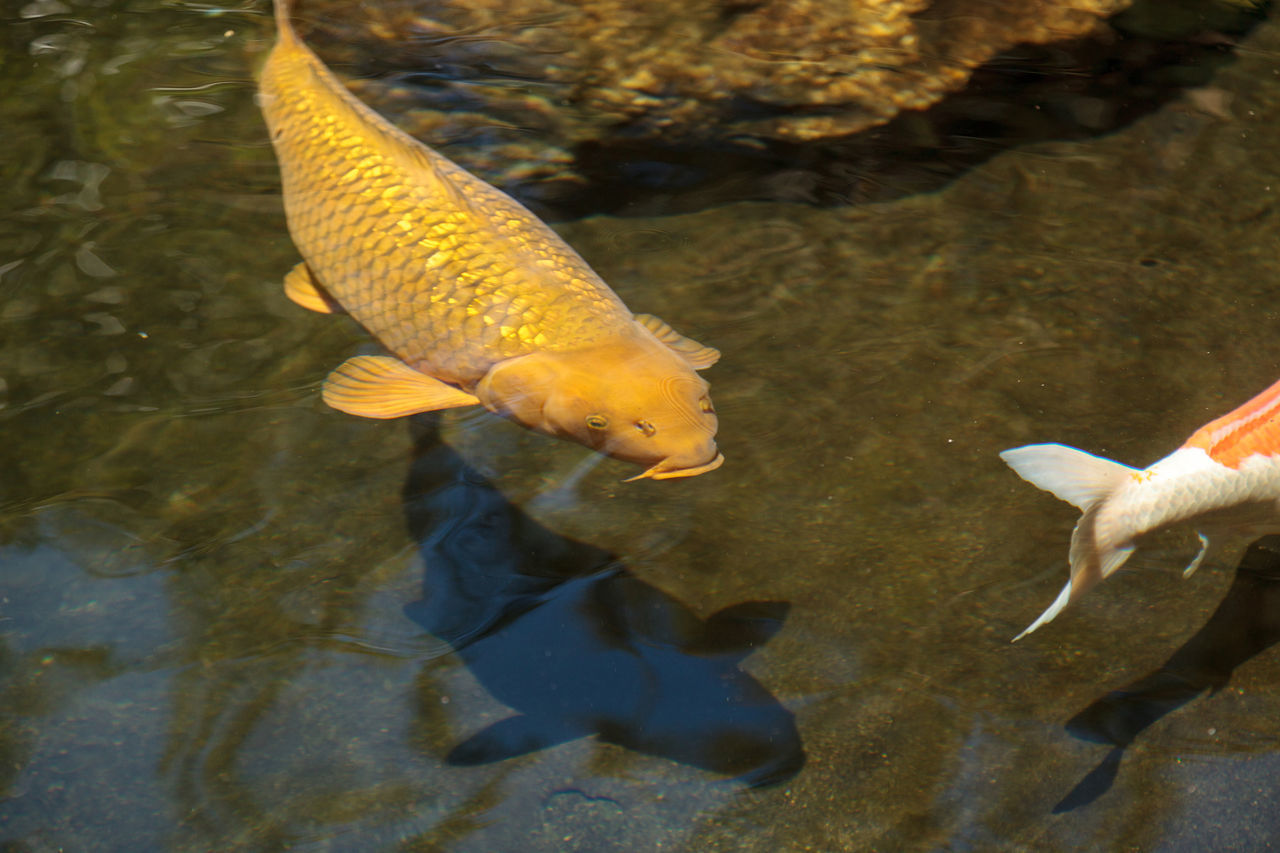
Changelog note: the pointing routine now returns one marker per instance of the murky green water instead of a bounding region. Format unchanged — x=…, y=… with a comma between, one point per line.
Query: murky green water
x=204, y=571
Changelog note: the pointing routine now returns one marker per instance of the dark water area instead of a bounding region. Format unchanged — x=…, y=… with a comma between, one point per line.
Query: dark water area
x=577, y=645
x=231, y=618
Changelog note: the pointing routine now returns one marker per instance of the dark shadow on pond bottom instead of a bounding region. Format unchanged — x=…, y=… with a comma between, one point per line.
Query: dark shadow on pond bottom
x=560, y=631
x=1245, y=623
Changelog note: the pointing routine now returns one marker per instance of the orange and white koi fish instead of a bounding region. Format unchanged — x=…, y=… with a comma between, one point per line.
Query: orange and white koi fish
x=1225, y=479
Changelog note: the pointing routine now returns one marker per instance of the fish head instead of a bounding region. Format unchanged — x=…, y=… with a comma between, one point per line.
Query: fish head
x=630, y=401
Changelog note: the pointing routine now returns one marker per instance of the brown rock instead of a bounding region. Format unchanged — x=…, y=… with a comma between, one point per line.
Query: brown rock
x=584, y=104
x=693, y=69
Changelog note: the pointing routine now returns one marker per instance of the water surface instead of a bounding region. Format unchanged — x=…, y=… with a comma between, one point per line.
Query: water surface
x=204, y=571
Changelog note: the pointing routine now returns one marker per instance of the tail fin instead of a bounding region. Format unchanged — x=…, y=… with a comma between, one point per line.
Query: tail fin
x=1081, y=479
x=284, y=28
x=1085, y=481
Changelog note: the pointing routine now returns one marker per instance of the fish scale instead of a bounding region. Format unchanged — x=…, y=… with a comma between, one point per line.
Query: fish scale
x=1188, y=484
x=419, y=256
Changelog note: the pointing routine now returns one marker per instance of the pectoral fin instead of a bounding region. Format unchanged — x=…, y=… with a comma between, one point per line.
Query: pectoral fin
x=301, y=287
x=1205, y=547
x=377, y=386
x=698, y=355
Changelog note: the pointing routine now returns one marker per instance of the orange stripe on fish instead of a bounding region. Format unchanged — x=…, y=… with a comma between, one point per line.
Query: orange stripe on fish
x=1252, y=428
x=1225, y=480
x=476, y=300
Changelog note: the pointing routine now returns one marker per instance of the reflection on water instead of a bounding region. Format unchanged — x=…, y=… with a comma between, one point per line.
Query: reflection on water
x=204, y=572
x=577, y=645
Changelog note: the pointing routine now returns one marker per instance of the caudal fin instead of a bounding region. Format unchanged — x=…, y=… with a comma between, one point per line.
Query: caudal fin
x=1085, y=481
x=284, y=26
x=1051, y=611
x=1081, y=479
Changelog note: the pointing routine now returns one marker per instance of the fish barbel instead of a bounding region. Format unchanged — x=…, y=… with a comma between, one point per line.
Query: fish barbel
x=476, y=300
x=1224, y=479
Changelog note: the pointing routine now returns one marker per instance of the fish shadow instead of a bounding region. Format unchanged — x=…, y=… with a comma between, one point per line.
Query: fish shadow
x=564, y=634
x=1246, y=622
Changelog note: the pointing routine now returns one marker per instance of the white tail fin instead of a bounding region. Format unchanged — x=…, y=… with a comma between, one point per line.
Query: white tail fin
x=1085, y=481
x=1052, y=611
x=1081, y=479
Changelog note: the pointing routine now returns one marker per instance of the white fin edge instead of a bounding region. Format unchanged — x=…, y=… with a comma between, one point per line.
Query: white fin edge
x=1047, y=616
x=1079, y=478
x=1113, y=560
x=1199, y=557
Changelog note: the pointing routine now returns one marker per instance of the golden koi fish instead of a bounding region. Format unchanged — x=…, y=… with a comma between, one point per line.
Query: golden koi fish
x=477, y=300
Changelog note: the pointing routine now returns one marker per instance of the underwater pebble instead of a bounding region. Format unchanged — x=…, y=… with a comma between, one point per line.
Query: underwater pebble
x=89, y=175
x=120, y=387
x=197, y=109
x=53, y=43
x=91, y=264
x=4, y=268
x=40, y=8
x=18, y=309
x=186, y=300
x=107, y=324
x=109, y=295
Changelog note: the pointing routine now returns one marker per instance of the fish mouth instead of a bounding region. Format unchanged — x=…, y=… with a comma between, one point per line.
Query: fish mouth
x=657, y=472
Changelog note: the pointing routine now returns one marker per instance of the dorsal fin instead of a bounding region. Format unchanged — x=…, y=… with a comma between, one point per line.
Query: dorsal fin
x=699, y=356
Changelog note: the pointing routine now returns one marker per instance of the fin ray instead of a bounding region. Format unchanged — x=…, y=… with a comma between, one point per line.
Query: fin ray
x=699, y=356
x=301, y=287
x=1051, y=611
x=1079, y=478
x=378, y=386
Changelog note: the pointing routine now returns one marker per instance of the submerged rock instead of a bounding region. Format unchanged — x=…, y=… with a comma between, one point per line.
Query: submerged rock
x=534, y=95
x=693, y=69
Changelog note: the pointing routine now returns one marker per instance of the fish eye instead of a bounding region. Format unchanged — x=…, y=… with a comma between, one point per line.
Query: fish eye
x=646, y=427
x=597, y=421
x=705, y=405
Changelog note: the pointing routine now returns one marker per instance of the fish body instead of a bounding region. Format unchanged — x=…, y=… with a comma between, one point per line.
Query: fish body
x=477, y=301
x=1224, y=479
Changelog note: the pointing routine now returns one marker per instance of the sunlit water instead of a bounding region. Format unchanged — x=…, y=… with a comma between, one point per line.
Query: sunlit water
x=232, y=617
